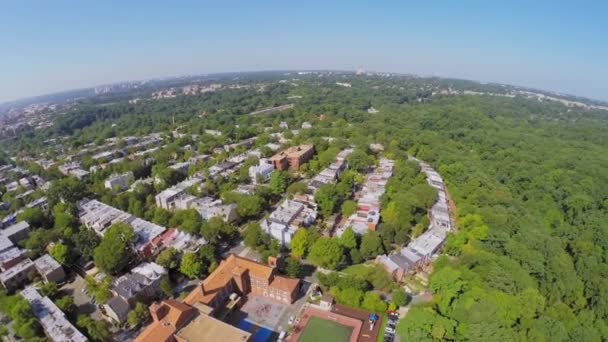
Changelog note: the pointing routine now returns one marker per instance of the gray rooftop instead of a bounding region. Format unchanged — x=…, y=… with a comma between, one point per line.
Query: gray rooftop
x=46, y=264
x=51, y=318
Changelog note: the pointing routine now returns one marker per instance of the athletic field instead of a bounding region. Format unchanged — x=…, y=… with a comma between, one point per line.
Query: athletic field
x=317, y=330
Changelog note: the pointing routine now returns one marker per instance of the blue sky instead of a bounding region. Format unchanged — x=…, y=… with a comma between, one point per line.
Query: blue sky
x=47, y=46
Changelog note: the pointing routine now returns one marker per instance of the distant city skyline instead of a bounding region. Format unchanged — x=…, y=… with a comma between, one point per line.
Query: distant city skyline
x=50, y=47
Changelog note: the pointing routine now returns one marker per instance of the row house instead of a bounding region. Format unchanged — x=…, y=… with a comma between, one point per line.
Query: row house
x=367, y=216
x=100, y=216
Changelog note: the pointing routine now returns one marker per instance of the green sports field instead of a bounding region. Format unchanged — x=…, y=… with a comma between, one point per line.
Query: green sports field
x=318, y=330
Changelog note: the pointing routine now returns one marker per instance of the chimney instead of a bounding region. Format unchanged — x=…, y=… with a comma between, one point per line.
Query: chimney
x=272, y=261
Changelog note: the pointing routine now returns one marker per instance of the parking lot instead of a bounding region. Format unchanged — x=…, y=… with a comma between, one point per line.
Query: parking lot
x=389, y=330
x=84, y=303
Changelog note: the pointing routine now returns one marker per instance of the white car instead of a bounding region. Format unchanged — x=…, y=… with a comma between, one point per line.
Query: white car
x=290, y=321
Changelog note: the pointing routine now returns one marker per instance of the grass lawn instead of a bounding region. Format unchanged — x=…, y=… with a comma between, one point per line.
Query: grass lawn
x=318, y=330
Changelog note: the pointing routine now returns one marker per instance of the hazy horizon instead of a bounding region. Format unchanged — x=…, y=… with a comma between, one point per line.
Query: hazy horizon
x=61, y=46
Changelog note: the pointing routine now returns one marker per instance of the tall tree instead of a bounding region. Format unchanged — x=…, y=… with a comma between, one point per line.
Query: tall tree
x=299, y=243
x=327, y=253
x=114, y=251
x=191, y=266
x=348, y=239
x=371, y=245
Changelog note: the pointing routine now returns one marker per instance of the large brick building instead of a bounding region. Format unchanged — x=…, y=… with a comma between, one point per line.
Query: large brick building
x=199, y=316
x=292, y=157
x=244, y=276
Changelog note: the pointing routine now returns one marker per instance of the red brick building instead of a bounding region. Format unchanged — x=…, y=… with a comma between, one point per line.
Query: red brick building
x=292, y=157
x=243, y=276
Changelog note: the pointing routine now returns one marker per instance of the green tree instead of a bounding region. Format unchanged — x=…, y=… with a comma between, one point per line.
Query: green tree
x=99, y=290
x=299, y=244
x=139, y=315
x=96, y=330
x=85, y=242
x=297, y=188
x=69, y=190
x=161, y=216
x=249, y=206
x=67, y=305
x=61, y=253
x=114, y=251
x=349, y=296
x=327, y=199
x=371, y=245
x=188, y=220
x=355, y=256
x=326, y=253
x=217, y=230
x=64, y=216
x=49, y=289
x=348, y=208
x=38, y=240
x=166, y=286
x=20, y=312
x=34, y=216
x=191, y=266
x=254, y=236
x=348, y=239
x=399, y=297
x=293, y=268
x=168, y=258
x=278, y=182
x=373, y=303
x=359, y=160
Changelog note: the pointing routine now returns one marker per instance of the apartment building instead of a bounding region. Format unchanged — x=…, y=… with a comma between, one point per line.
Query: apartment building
x=119, y=182
x=15, y=232
x=11, y=257
x=166, y=198
x=49, y=269
x=261, y=171
x=18, y=275
x=293, y=157
x=286, y=219
x=73, y=169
